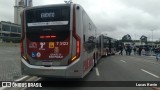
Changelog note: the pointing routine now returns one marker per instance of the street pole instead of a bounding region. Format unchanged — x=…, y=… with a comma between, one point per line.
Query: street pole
x=152, y=38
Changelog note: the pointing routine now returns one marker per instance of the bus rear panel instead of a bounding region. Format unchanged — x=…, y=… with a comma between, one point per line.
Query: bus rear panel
x=52, y=42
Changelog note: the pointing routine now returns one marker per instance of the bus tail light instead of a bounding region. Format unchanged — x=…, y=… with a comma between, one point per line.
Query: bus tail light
x=22, y=37
x=78, y=43
x=74, y=57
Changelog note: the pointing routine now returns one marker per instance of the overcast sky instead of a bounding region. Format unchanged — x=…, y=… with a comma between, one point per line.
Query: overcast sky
x=116, y=18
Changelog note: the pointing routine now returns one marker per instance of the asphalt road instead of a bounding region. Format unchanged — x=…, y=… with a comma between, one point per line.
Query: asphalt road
x=9, y=62
x=118, y=68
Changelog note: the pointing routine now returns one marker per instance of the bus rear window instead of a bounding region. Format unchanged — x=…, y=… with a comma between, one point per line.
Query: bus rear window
x=48, y=16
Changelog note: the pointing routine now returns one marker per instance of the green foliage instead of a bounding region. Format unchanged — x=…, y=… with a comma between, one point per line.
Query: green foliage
x=143, y=38
x=126, y=38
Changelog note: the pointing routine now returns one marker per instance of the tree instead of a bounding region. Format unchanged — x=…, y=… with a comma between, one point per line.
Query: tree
x=126, y=38
x=143, y=38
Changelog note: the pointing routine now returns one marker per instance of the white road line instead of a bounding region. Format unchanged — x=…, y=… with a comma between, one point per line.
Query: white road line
x=97, y=71
x=20, y=79
x=38, y=79
x=32, y=78
x=123, y=61
x=150, y=73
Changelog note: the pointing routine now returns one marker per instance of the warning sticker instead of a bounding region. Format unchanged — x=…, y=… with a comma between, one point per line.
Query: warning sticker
x=51, y=44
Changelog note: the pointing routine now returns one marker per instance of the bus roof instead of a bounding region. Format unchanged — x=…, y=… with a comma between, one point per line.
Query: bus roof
x=50, y=5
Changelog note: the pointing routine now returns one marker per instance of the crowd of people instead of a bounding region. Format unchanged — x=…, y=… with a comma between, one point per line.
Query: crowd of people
x=139, y=50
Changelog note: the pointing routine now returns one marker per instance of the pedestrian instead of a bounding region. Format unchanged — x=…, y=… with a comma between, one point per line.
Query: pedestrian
x=140, y=50
x=143, y=51
x=134, y=49
x=157, y=51
x=137, y=51
x=126, y=50
x=129, y=50
x=121, y=50
x=147, y=50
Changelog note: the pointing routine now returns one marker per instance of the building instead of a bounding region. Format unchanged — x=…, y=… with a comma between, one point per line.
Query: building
x=9, y=32
x=18, y=8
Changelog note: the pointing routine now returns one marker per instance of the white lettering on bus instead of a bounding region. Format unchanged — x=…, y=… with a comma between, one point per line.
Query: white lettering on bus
x=62, y=43
x=47, y=15
x=55, y=55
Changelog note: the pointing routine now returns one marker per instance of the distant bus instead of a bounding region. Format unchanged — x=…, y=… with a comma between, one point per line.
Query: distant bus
x=102, y=49
x=110, y=44
x=106, y=46
x=57, y=41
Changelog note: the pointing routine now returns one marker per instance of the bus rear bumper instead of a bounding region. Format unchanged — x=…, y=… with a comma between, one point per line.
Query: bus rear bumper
x=71, y=71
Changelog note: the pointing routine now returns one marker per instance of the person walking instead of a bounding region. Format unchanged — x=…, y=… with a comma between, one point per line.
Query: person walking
x=147, y=50
x=126, y=50
x=157, y=51
x=134, y=49
x=121, y=50
x=129, y=50
x=140, y=50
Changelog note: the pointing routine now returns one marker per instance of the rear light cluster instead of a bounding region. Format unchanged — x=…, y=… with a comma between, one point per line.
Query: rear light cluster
x=22, y=37
x=74, y=57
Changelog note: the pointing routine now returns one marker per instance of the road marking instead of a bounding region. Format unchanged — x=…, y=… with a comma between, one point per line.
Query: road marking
x=20, y=79
x=123, y=61
x=150, y=73
x=32, y=78
x=38, y=79
x=97, y=71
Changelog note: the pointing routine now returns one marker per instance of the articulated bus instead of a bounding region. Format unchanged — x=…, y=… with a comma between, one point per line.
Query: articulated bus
x=110, y=45
x=102, y=49
x=106, y=46
x=57, y=41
